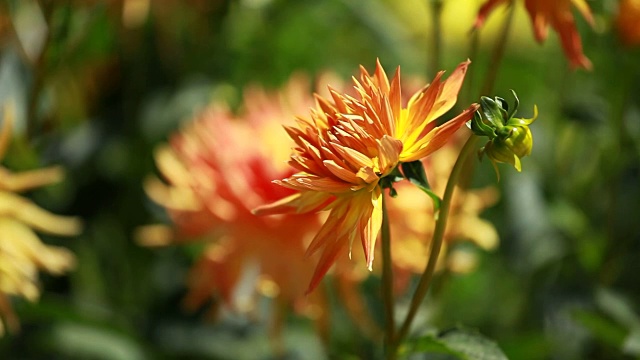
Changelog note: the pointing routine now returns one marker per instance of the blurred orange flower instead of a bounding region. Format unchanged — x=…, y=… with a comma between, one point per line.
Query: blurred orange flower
x=349, y=144
x=22, y=253
x=218, y=168
x=556, y=13
x=628, y=22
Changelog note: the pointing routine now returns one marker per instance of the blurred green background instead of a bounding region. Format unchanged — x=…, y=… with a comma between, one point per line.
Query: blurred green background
x=98, y=84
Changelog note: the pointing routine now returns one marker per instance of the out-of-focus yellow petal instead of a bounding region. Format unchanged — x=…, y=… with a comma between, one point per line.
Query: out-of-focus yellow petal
x=26, y=244
x=154, y=235
x=175, y=198
x=27, y=180
x=24, y=210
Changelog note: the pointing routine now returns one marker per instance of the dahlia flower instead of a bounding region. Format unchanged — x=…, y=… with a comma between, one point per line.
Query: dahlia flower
x=22, y=254
x=349, y=144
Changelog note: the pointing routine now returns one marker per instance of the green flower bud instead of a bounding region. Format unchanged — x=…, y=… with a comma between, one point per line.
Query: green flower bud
x=520, y=140
x=510, y=138
x=499, y=152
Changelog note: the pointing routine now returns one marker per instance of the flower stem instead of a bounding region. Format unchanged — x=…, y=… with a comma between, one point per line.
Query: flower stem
x=387, y=279
x=436, y=40
x=498, y=53
x=436, y=242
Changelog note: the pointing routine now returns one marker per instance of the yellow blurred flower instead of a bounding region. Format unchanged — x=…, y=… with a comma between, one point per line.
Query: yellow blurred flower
x=558, y=15
x=628, y=22
x=350, y=144
x=22, y=254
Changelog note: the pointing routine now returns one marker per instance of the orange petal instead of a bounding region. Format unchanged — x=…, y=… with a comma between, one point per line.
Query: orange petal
x=571, y=43
x=439, y=136
x=370, y=226
x=389, y=150
x=341, y=172
x=328, y=257
x=395, y=94
x=305, y=182
x=340, y=221
x=484, y=11
x=450, y=89
x=584, y=9
x=300, y=203
x=381, y=77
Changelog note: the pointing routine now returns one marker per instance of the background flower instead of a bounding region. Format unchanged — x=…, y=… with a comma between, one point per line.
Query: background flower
x=627, y=22
x=22, y=254
x=218, y=168
x=554, y=13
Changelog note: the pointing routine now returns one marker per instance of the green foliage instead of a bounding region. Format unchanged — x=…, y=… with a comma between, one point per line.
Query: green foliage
x=414, y=172
x=461, y=344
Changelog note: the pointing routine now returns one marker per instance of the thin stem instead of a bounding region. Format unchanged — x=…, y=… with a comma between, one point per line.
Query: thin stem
x=387, y=279
x=436, y=40
x=39, y=73
x=474, y=44
x=498, y=53
x=436, y=242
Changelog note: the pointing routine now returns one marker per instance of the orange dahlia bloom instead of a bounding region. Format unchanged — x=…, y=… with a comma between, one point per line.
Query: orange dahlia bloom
x=628, y=22
x=556, y=13
x=22, y=254
x=349, y=144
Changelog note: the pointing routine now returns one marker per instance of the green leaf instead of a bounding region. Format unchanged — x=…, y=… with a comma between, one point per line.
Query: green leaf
x=430, y=345
x=472, y=345
x=479, y=128
x=463, y=344
x=602, y=328
x=515, y=105
x=492, y=111
x=414, y=172
x=387, y=181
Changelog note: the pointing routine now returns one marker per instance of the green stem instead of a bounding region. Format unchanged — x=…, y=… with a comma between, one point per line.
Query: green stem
x=39, y=73
x=436, y=40
x=474, y=44
x=387, y=280
x=498, y=53
x=436, y=242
